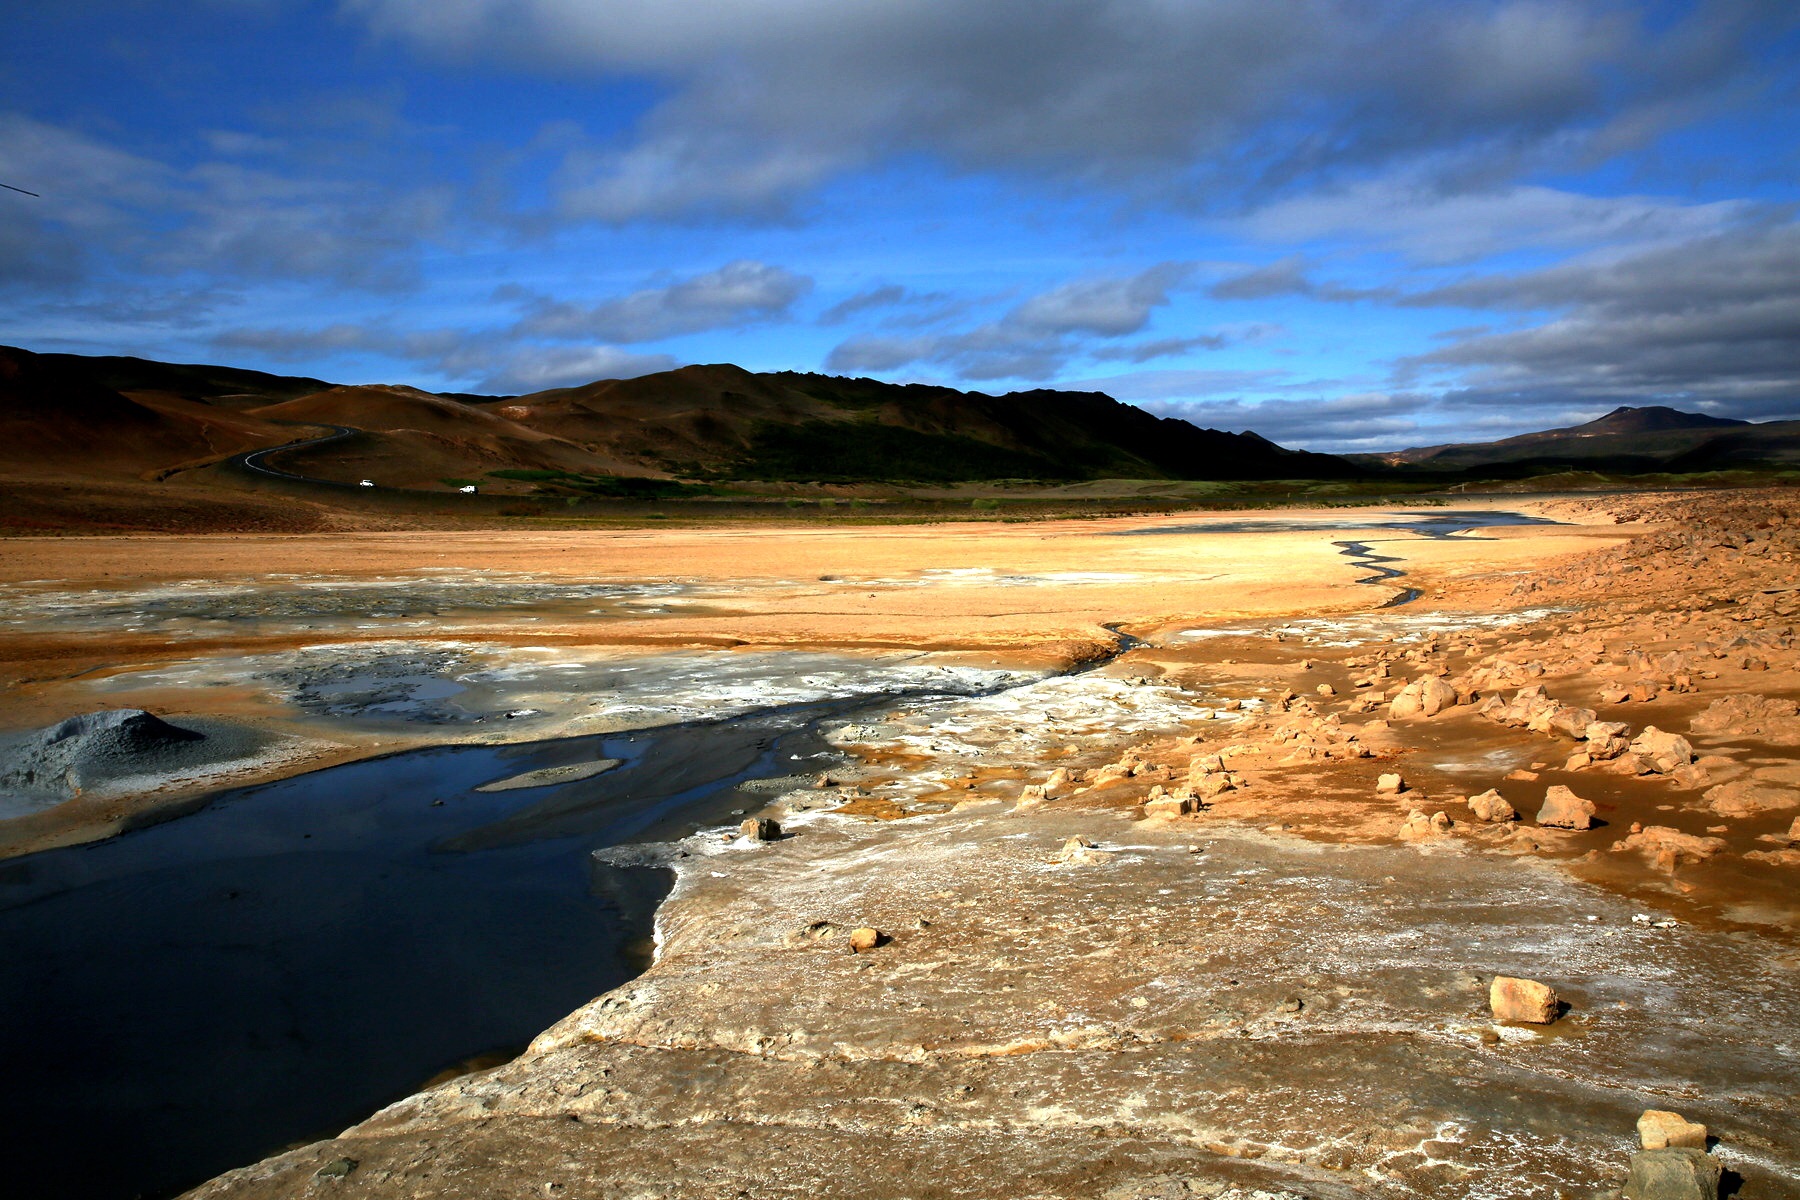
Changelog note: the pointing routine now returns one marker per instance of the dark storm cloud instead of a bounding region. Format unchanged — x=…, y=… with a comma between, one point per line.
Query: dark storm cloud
x=766, y=99
x=1713, y=322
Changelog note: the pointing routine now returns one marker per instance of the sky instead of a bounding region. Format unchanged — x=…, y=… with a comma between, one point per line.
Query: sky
x=1350, y=225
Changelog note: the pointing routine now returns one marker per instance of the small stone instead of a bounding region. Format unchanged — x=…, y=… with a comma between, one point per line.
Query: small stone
x=1514, y=999
x=1489, y=1037
x=865, y=938
x=1564, y=809
x=1658, y=1128
x=760, y=829
x=337, y=1168
x=1390, y=784
x=1673, y=1173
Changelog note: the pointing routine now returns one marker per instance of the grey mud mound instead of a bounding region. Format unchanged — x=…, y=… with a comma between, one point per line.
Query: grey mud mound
x=107, y=751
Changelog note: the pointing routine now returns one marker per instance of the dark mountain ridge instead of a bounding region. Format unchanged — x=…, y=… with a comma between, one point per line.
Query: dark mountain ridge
x=715, y=422
x=66, y=414
x=1627, y=440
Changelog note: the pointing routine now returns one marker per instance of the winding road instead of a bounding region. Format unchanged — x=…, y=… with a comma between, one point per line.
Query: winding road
x=255, y=461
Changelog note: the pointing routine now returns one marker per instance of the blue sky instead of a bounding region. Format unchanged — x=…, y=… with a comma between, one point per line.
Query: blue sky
x=1347, y=224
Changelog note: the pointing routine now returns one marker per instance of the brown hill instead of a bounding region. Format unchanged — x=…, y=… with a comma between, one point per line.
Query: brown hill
x=222, y=387
x=715, y=422
x=414, y=439
x=688, y=419
x=58, y=421
x=724, y=421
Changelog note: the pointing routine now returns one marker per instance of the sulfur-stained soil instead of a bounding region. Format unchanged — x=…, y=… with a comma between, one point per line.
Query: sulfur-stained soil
x=520, y=633
x=1156, y=929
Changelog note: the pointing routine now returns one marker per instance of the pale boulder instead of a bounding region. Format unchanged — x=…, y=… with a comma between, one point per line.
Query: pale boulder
x=1572, y=722
x=1435, y=696
x=1171, y=806
x=1665, y=751
x=760, y=829
x=1491, y=806
x=1669, y=847
x=1515, y=999
x=1565, y=810
x=1658, y=1128
x=1746, y=798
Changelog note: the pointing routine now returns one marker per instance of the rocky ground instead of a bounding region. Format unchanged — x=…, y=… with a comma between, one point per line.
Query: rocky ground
x=1221, y=919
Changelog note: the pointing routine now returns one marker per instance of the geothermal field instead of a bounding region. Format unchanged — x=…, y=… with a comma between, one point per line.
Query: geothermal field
x=996, y=600
x=1132, y=857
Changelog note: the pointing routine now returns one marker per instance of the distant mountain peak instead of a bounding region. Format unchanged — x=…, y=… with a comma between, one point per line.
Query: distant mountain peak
x=1650, y=418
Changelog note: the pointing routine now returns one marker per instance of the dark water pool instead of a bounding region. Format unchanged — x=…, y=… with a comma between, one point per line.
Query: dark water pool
x=190, y=997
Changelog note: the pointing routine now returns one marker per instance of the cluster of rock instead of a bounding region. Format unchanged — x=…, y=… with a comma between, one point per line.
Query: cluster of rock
x=1604, y=745
x=1305, y=736
x=1708, y=540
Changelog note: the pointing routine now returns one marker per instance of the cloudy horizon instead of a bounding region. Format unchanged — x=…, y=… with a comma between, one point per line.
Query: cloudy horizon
x=1350, y=225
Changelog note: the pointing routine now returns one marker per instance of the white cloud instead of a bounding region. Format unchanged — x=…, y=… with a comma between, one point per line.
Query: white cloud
x=214, y=218
x=537, y=368
x=736, y=294
x=1432, y=225
x=1035, y=338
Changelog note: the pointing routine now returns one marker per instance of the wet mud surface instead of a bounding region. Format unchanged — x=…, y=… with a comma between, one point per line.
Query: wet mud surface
x=274, y=967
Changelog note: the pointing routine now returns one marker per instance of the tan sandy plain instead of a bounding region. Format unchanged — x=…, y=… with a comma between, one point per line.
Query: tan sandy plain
x=763, y=584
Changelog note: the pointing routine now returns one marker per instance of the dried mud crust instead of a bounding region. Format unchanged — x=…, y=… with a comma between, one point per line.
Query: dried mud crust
x=364, y=643
x=1210, y=949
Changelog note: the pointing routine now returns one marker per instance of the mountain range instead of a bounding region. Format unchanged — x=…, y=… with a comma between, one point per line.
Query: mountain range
x=1624, y=441
x=71, y=416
